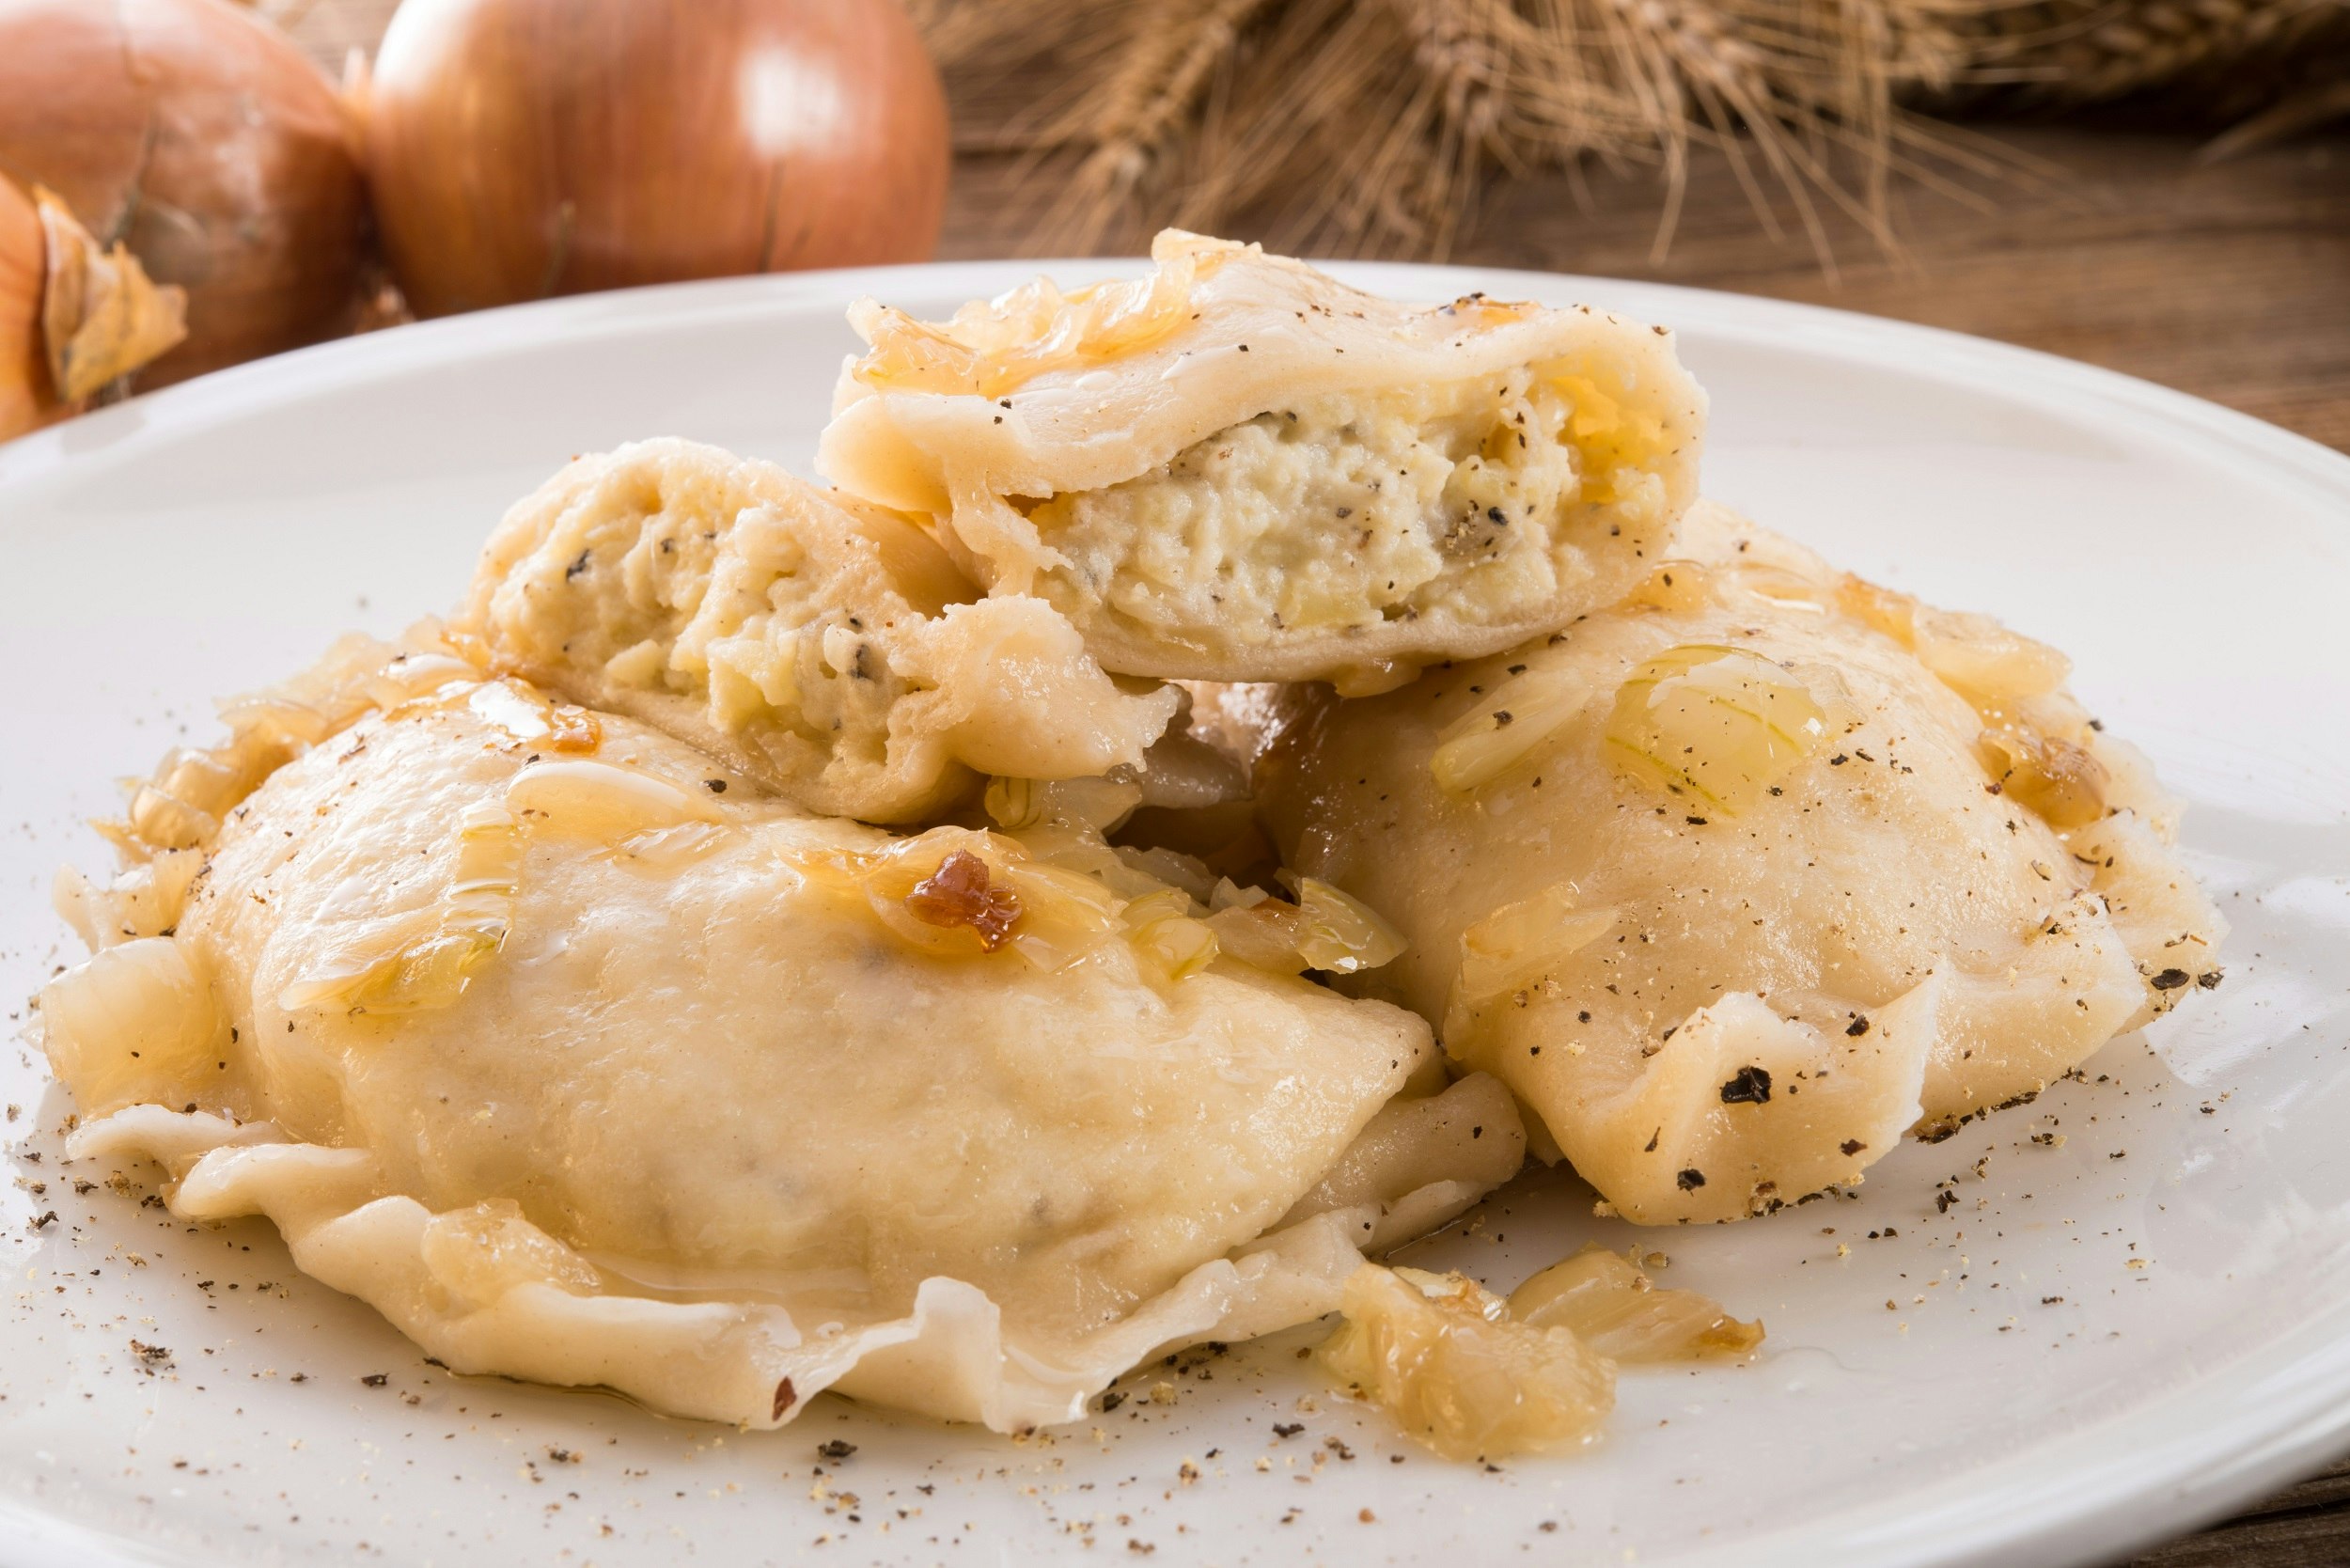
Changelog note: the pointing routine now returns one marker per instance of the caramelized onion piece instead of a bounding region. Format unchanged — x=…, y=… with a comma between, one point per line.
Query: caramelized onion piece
x=1620, y=1313
x=1510, y=948
x=1443, y=1358
x=573, y=730
x=2014, y=684
x=1483, y=745
x=1338, y=933
x=959, y=894
x=1720, y=725
x=415, y=964
x=2060, y=782
x=992, y=346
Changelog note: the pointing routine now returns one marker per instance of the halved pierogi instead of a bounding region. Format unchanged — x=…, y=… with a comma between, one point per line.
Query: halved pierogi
x=1238, y=468
x=826, y=647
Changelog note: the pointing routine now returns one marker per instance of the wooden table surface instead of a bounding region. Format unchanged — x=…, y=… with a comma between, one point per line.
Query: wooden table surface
x=2230, y=281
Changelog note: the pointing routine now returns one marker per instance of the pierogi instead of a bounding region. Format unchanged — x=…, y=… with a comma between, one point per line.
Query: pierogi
x=1739, y=881
x=1239, y=469
x=824, y=647
x=583, y=1060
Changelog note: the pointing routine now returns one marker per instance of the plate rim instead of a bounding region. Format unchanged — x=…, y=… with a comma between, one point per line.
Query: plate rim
x=2238, y=1430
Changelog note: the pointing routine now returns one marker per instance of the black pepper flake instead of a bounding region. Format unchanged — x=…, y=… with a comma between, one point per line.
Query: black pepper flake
x=1852, y=1146
x=1749, y=1086
x=2209, y=979
x=376, y=1380
x=1838, y=760
x=715, y=786
x=579, y=564
x=786, y=1397
x=1695, y=821
x=2169, y=980
x=1857, y=1027
x=1651, y=1141
x=1112, y=1400
x=1503, y=717
x=837, y=1448
x=1288, y=1428
x=1690, y=1181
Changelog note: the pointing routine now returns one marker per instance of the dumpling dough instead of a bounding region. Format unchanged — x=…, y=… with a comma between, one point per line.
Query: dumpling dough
x=821, y=646
x=1239, y=469
x=581, y=1066
x=1738, y=881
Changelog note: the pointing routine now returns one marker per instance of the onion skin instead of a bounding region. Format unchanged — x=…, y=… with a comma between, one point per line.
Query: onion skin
x=74, y=318
x=205, y=139
x=520, y=149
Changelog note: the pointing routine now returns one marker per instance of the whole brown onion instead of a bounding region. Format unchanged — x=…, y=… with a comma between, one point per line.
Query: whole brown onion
x=205, y=139
x=519, y=149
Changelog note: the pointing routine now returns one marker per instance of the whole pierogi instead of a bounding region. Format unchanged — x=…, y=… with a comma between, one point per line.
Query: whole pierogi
x=1738, y=881
x=826, y=647
x=583, y=1060
x=1237, y=468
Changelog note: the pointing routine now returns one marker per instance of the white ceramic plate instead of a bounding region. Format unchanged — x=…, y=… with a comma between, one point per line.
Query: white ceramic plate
x=2099, y=1344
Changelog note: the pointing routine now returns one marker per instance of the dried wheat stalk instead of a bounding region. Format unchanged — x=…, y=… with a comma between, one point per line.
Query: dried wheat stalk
x=1376, y=121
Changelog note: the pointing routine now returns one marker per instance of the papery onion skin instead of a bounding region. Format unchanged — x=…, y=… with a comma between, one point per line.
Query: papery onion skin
x=522, y=149
x=205, y=139
x=74, y=318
